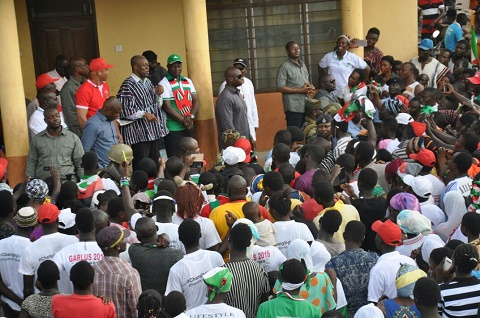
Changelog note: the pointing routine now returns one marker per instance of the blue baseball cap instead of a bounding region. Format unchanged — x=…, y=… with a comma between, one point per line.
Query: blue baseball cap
x=426, y=44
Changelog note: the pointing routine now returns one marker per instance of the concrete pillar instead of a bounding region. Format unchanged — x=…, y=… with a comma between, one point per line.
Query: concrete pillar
x=352, y=22
x=12, y=96
x=198, y=61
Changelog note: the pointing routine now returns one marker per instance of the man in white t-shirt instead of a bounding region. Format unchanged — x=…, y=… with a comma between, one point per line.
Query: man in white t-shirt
x=163, y=207
x=86, y=249
x=218, y=281
x=458, y=166
x=12, y=248
x=383, y=274
x=45, y=248
x=186, y=275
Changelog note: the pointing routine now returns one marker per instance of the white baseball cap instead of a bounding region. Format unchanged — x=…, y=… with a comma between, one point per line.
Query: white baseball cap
x=233, y=155
x=403, y=118
x=421, y=185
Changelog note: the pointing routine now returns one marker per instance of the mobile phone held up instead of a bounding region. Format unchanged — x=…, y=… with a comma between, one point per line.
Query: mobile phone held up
x=198, y=160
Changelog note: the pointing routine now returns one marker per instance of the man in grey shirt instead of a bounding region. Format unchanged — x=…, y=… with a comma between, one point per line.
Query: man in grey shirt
x=293, y=82
x=79, y=71
x=231, y=110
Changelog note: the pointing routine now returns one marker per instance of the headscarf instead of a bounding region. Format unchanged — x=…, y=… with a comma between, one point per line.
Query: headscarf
x=454, y=208
x=320, y=256
x=405, y=201
x=392, y=167
x=407, y=276
x=369, y=311
x=257, y=183
x=37, y=190
x=412, y=222
x=431, y=242
x=255, y=235
x=218, y=280
x=299, y=249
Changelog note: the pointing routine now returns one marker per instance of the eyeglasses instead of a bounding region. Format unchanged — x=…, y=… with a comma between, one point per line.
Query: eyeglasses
x=240, y=76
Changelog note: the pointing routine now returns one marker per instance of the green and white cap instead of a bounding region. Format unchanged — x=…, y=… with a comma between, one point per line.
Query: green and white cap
x=218, y=280
x=173, y=59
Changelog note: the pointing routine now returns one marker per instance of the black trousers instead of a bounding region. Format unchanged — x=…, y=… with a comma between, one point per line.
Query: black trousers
x=146, y=149
x=172, y=140
x=294, y=119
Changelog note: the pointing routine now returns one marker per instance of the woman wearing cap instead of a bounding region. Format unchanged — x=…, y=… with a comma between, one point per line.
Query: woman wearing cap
x=340, y=63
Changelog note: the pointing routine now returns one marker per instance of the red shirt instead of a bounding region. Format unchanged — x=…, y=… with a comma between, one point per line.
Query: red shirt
x=91, y=96
x=311, y=209
x=79, y=306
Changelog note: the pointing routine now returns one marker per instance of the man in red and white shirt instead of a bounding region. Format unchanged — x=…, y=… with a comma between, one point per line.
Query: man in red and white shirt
x=92, y=94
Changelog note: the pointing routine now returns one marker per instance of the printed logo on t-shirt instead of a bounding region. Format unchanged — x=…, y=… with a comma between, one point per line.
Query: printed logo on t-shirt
x=10, y=257
x=195, y=280
x=89, y=257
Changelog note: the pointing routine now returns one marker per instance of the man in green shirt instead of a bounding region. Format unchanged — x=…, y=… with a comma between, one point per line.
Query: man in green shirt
x=55, y=146
x=289, y=303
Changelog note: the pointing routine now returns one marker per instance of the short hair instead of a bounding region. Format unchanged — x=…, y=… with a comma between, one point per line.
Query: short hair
x=316, y=153
x=296, y=133
x=149, y=166
x=323, y=191
x=355, y=231
x=81, y=275
x=466, y=258
x=361, y=72
x=347, y=162
x=389, y=59
x=89, y=160
x=365, y=150
x=461, y=17
x=330, y=222
x=426, y=292
x=341, y=126
x=115, y=206
x=134, y=60
x=48, y=274
x=374, y=31
x=289, y=44
x=149, y=303
x=173, y=166
x=390, y=123
x=240, y=236
x=283, y=136
x=320, y=175
x=287, y=171
x=208, y=178
x=471, y=222
x=453, y=244
x=150, y=55
x=470, y=141
x=6, y=208
x=384, y=155
x=463, y=161
x=85, y=220
x=273, y=180
x=281, y=152
x=438, y=254
x=167, y=185
x=368, y=178
x=189, y=233
x=139, y=179
x=280, y=203
x=469, y=71
x=163, y=206
x=175, y=303
x=293, y=271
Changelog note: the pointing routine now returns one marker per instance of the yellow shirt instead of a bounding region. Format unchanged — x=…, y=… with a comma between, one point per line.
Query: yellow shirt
x=348, y=212
x=218, y=215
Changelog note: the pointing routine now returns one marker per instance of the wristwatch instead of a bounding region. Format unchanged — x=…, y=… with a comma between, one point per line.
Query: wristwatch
x=192, y=116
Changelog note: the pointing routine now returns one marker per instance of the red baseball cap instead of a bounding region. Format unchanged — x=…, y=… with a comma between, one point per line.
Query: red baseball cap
x=475, y=79
x=390, y=233
x=418, y=128
x=99, y=64
x=425, y=157
x=3, y=167
x=246, y=146
x=48, y=213
x=44, y=79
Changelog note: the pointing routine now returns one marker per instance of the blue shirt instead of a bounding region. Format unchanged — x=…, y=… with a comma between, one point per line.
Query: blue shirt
x=99, y=135
x=453, y=34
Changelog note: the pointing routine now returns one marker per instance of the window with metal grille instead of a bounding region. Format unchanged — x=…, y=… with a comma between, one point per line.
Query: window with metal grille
x=257, y=30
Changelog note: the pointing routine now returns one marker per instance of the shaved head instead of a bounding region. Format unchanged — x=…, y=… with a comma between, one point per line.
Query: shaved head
x=231, y=72
x=145, y=228
x=237, y=185
x=102, y=220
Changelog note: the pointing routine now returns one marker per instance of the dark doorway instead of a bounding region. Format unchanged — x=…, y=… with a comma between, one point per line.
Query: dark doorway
x=61, y=27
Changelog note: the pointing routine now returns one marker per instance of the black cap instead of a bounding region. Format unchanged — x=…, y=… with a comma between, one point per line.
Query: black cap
x=240, y=61
x=324, y=119
x=395, y=80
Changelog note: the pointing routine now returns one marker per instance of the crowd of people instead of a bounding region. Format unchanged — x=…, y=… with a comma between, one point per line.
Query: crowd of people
x=367, y=205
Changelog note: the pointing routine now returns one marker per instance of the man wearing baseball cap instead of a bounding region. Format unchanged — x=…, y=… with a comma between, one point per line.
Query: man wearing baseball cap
x=114, y=277
x=13, y=248
x=180, y=102
x=383, y=274
x=92, y=94
x=248, y=93
x=427, y=159
x=429, y=65
x=45, y=248
x=44, y=84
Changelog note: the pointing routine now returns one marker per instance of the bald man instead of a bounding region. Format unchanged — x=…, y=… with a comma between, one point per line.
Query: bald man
x=187, y=146
x=145, y=253
x=231, y=110
x=99, y=133
x=79, y=71
x=102, y=220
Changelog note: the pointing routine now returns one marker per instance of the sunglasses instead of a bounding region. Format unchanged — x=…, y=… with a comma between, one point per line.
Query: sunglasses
x=240, y=76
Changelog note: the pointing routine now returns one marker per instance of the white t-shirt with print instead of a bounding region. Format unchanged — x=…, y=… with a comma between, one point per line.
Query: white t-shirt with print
x=269, y=257
x=11, y=250
x=210, y=235
x=186, y=276
x=215, y=310
x=287, y=231
x=43, y=249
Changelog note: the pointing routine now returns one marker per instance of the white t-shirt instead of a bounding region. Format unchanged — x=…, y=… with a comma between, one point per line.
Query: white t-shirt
x=171, y=229
x=43, y=249
x=287, y=231
x=432, y=212
x=383, y=275
x=215, y=310
x=186, y=276
x=210, y=235
x=11, y=250
x=437, y=187
x=269, y=257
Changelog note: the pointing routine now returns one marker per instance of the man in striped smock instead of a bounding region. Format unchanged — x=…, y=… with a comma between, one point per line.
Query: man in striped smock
x=143, y=126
